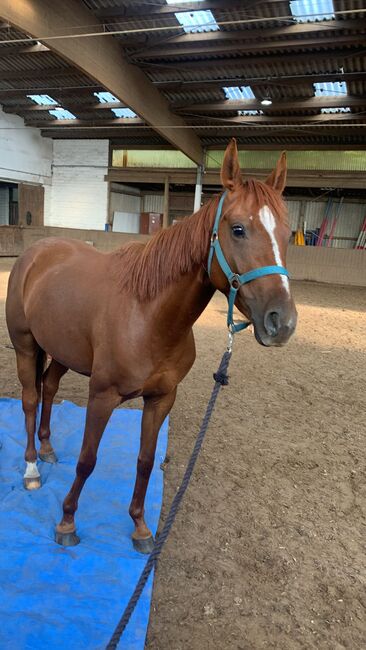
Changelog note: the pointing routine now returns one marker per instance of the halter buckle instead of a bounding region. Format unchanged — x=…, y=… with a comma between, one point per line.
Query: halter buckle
x=213, y=236
x=234, y=282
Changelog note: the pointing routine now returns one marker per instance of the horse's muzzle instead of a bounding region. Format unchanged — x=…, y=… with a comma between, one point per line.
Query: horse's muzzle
x=276, y=326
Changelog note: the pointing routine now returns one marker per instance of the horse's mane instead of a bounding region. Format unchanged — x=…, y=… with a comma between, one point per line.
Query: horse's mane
x=147, y=269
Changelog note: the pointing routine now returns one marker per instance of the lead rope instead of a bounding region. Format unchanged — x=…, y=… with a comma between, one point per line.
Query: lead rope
x=221, y=379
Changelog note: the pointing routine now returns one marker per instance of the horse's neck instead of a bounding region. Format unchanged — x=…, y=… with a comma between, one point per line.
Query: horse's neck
x=185, y=300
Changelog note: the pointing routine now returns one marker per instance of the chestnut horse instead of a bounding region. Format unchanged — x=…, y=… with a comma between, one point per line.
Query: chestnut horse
x=125, y=320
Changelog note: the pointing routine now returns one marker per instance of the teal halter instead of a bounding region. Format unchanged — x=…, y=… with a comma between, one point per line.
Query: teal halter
x=235, y=280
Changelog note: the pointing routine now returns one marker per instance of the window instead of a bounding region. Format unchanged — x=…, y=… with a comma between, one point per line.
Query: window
x=197, y=21
x=340, y=109
x=123, y=112
x=43, y=100
x=330, y=88
x=62, y=114
x=311, y=10
x=249, y=112
x=234, y=92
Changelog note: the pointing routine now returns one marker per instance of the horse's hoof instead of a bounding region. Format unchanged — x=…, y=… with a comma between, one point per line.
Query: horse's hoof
x=32, y=483
x=143, y=545
x=48, y=457
x=66, y=539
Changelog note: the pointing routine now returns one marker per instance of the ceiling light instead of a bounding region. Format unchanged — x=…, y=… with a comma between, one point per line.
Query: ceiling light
x=266, y=101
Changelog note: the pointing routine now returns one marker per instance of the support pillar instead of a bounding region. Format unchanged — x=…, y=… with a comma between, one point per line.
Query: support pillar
x=198, y=189
x=166, y=203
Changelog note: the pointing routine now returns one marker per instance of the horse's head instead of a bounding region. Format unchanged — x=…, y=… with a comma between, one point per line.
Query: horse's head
x=253, y=232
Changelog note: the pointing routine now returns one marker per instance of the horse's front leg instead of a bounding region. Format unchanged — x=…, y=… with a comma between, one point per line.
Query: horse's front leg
x=155, y=411
x=100, y=407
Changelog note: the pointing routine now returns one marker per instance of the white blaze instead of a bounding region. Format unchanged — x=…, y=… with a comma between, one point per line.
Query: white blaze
x=269, y=224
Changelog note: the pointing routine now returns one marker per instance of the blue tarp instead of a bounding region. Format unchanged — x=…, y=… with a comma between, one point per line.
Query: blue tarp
x=71, y=598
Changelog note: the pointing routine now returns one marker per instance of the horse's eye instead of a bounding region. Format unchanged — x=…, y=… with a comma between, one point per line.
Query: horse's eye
x=238, y=230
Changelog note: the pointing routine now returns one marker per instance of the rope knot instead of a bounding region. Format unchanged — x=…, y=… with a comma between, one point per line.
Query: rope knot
x=221, y=378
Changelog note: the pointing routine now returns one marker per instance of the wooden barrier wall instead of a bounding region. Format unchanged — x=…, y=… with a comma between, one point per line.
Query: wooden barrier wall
x=332, y=265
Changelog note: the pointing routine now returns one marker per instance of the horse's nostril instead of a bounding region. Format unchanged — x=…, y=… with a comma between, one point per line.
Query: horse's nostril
x=272, y=323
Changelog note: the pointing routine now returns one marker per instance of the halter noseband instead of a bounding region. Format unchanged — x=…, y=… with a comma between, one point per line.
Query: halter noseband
x=235, y=280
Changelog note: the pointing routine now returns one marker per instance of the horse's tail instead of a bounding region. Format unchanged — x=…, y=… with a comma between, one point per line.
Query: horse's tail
x=40, y=365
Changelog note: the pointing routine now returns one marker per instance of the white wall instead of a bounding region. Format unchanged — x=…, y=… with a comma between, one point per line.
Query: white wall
x=78, y=197
x=24, y=154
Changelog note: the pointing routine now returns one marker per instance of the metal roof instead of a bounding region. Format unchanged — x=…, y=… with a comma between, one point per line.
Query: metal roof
x=263, y=47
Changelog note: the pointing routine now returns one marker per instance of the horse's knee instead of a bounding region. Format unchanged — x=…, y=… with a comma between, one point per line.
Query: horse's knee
x=85, y=468
x=30, y=401
x=49, y=389
x=144, y=466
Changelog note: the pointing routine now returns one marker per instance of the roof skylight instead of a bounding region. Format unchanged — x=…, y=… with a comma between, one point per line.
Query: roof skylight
x=250, y=112
x=331, y=88
x=123, y=112
x=311, y=10
x=106, y=97
x=340, y=109
x=62, y=114
x=43, y=100
x=197, y=21
x=234, y=92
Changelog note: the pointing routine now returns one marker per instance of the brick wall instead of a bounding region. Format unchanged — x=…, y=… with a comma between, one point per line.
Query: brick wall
x=24, y=155
x=78, y=196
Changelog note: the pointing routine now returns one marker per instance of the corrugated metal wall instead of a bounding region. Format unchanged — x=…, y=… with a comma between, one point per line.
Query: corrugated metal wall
x=153, y=203
x=304, y=160
x=4, y=206
x=349, y=221
x=300, y=210
x=124, y=203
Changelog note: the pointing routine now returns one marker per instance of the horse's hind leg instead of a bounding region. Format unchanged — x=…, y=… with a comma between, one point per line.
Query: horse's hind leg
x=51, y=382
x=30, y=362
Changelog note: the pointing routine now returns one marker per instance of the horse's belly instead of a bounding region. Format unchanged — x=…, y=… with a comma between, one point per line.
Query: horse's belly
x=60, y=320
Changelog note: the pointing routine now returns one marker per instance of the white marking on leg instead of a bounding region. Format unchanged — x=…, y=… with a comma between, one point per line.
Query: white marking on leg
x=269, y=224
x=31, y=471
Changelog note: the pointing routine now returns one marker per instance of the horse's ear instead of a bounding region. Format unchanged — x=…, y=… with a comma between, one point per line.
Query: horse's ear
x=230, y=170
x=277, y=178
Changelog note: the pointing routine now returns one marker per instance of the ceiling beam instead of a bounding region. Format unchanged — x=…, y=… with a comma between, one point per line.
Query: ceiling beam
x=222, y=123
x=22, y=49
x=75, y=124
x=248, y=46
x=245, y=62
x=72, y=102
x=167, y=10
x=11, y=93
x=102, y=60
x=292, y=119
x=288, y=80
x=312, y=103
x=295, y=178
x=36, y=73
x=220, y=37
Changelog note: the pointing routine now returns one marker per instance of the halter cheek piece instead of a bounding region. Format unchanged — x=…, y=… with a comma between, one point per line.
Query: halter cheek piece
x=235, y=280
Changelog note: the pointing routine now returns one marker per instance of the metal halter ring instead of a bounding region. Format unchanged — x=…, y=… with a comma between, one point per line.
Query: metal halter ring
x=235, y=282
